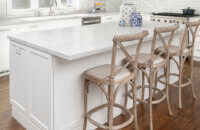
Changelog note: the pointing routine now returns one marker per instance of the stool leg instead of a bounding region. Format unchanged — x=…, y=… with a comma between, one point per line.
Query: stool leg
x=143, y=83
x=167, y=89
x=150, y=99
x=126, y=96
x=134, y=92
x=192, y=70
x=155, y=86
x=179, y=82
x=110, y=107
x=85, y=104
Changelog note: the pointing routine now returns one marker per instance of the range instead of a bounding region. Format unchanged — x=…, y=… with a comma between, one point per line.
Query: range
x=166, y=17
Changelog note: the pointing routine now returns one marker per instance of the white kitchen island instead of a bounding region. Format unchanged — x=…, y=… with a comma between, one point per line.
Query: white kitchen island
x=46, y=84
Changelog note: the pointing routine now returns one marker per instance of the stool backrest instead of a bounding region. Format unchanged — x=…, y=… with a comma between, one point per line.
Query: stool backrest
x=190, y=28
x=118, y=41
x=158, y=33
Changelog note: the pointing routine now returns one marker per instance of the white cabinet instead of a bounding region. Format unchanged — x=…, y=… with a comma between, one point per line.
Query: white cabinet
x=31, y=85
x=109, y=18
x=63, y=23
x=4, y=46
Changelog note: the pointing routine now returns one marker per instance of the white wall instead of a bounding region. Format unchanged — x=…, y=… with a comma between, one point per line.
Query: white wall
x=148, y=6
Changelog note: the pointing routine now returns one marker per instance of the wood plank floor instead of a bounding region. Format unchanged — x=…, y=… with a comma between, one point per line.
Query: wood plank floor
x=186, y=119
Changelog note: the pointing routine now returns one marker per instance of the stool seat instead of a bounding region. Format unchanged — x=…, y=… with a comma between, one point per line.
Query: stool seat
x=102, y=72
x=144, y=60
x=174, y=50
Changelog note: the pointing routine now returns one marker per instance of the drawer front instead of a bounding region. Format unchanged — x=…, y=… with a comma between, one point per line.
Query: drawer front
x=31, y=27
x=111, y=18
x=63, y=23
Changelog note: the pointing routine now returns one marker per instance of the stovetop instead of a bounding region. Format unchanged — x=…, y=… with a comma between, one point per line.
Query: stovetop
x=175, y=14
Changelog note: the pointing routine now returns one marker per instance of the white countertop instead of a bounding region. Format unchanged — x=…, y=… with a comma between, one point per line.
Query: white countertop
x=80, y=41
x=14, y=21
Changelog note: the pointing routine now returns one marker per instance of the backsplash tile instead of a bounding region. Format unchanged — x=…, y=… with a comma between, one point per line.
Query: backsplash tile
x=148, y=6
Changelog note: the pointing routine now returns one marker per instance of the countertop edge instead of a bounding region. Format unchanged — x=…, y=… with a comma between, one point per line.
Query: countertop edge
x=73, y=57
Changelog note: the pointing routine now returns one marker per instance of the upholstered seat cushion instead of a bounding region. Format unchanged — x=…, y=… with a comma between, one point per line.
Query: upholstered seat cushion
x=144, y=60
x=99, y=73
x=174, y=50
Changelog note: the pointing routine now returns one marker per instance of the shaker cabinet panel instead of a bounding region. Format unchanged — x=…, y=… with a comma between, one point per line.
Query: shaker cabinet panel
x=41, y=90
x=19, y=85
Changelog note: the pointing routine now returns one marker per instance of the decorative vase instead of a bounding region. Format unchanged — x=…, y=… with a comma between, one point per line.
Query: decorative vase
x=136, y=19
x=126, y=11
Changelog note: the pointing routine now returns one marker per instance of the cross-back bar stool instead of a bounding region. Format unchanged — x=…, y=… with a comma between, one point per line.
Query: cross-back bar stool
x=184, y=51
x=154, y=63
x=113, y=76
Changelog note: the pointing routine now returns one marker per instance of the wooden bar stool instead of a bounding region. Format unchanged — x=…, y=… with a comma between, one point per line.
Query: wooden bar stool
x=113, y=76
x=154, y=63
x=184, y=51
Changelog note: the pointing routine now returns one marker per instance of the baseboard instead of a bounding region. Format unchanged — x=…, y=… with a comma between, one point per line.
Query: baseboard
x=4, y=72
x=23, y=120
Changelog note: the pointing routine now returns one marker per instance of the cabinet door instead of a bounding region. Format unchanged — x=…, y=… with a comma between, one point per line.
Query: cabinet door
x=41, y=89
x=4, y=46
x=63, y=23
x=19, y=76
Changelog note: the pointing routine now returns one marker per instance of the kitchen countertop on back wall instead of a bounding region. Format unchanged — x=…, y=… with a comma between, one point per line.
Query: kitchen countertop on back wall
x=14, y=21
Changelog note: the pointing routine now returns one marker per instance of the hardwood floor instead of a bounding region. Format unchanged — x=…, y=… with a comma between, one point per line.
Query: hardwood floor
x=6, y=120
x=186, y=119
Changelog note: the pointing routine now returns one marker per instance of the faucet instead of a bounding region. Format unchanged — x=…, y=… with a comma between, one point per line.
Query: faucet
x=52, y=3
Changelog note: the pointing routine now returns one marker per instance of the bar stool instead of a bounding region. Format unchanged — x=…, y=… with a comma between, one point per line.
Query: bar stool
x=184, y=51
x=154, y=63
x=113, y=76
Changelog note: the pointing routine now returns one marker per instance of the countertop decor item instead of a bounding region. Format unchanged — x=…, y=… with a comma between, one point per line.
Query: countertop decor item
x=121, y=23
x=136, y=19
x=126, y=11
x=99, y=5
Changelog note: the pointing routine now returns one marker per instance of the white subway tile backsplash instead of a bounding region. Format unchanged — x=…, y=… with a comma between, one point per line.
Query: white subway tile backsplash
x=148, y=6
x=111, y=5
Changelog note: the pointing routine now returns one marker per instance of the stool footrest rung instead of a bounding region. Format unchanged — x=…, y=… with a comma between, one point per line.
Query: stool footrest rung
x=116, y=127
x=187, y=80
x=154, y=101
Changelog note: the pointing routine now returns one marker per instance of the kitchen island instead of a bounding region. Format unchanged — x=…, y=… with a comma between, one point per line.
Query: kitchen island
x=46, y=83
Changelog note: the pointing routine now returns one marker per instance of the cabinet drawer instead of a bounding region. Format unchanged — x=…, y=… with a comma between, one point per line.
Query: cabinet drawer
x=31, y=27
x=63, y=23
x=111, y=18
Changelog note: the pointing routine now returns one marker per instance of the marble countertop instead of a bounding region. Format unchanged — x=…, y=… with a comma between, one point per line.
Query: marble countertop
x=80, y=41
x=14, y=21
